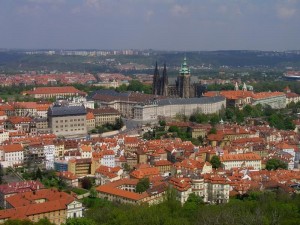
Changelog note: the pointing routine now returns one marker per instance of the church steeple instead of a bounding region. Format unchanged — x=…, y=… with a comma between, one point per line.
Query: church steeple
x=184, y=70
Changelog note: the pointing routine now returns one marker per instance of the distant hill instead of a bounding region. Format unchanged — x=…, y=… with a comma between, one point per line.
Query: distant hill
x=16, y=61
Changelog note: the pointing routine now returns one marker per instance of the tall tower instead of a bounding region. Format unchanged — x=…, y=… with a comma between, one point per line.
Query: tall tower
x=156, y=81
x=164, y=82
x=184, y=80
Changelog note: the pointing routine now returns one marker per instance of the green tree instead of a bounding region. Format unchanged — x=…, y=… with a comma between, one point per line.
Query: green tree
x=214, y=119
x=87, y=183
x=142, y=185
x=162, y=123
x=274, y=164
x=80, y=221
x=38, y=174
x=192, y=204
x=215, y=162
x=118, y=124
x=213, y=130
x=173, y=129
x=93, y=193
x=1, y=174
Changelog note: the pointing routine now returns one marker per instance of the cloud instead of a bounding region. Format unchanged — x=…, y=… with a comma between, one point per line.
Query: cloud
x=97, y=4
x=47, y=1
x=27, y=9
x=179, y=9
x=149, y=14
x=285, y=12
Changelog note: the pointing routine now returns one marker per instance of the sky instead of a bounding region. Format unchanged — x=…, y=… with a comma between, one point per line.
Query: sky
x=185, y=25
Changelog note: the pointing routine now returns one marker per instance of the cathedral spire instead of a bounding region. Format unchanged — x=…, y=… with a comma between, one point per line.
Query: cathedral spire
x=184, y=70
x=165, y=83
x=156, y=78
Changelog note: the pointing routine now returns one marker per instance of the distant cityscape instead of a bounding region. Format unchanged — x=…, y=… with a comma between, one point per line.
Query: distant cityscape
x=115, y=136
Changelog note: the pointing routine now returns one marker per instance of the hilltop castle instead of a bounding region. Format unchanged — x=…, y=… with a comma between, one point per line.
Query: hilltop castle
x=182, y=87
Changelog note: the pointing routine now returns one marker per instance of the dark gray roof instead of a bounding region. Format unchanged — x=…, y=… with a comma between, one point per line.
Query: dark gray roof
x=66, y=110
x=182, y=101
x=38, y=119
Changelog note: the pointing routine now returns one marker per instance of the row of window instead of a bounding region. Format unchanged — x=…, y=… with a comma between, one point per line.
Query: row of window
x=71, y=120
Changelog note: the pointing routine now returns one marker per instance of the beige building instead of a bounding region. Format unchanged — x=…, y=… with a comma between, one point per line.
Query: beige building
x=68, y=121
x=104, y=115
x=53, y=92
x=82, y=167
x=90, y=121
x=123, y=191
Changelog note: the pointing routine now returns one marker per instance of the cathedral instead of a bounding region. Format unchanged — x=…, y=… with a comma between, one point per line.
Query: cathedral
x=182, y=87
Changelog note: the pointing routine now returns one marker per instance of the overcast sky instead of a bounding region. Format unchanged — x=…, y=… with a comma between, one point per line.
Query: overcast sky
x=156, y=24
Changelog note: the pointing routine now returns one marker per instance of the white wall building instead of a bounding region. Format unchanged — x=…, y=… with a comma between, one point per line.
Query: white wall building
x=11, y=155
x=49, y=152
x=4, y=135
x=230, y=161
x=178, y=106
x=108, y=158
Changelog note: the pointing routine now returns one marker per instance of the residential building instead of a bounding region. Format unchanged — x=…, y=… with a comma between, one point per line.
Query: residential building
x=105, y=174
x=69, y=178
x=12, y=155
x=104, y=115
x=90, y=121
x=182, y=186
x=10, y=189
x=123, y=191
x=216, y=189
x=108, y=158
x=246, y=160
x=52, y=204
x=4, y=136
x=49, y=153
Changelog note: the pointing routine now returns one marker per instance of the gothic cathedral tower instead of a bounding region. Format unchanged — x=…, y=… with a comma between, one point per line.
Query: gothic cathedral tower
x=183, y=82
x=164, y=82
x=156, y=82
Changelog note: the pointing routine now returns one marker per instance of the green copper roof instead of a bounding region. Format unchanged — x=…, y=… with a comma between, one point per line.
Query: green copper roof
x=184, y=70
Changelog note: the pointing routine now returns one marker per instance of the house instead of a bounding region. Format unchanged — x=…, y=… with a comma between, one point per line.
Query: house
x=182, y=186
x=12, y=155
x=69, y=178
x=105, y=174
x=10, y=189
x=52, y=204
